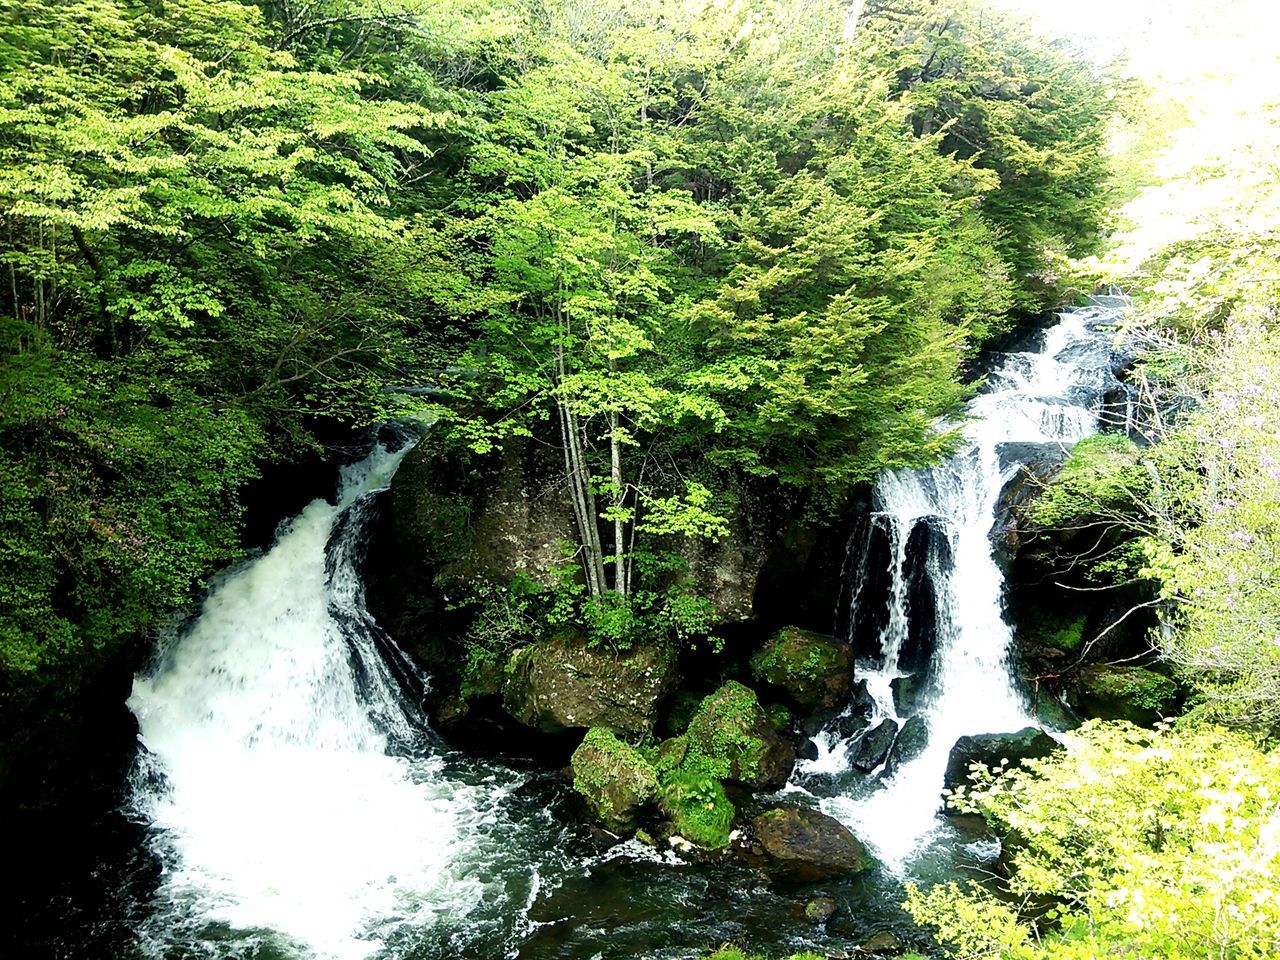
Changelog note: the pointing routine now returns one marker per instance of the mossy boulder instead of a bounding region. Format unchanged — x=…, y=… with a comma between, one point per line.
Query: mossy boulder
x=1126, y=692
x=814, y=670
x=802, y=845
x=692, y=797
x=614, y=778
x=732, y=735
x=564, y=683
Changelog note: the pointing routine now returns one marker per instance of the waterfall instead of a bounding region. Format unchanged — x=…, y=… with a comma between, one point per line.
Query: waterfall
x=1050, y=396
x=292, y=788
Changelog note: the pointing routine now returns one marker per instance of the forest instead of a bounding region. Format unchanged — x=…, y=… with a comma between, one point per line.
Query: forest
x=656, y=305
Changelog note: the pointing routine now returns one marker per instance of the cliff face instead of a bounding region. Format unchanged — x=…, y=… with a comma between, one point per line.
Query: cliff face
x=447, y=525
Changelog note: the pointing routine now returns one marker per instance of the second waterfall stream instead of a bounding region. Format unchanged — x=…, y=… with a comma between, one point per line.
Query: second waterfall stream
x=1053, y=395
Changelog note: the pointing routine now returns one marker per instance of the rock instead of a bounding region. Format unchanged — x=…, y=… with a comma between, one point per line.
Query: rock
x=928, y=548
x=1130, y=693
x=804, y=846
x=906, y=693
x=882, y=944
x=820, y=909
x=992, y=749
x=910, y=743
x=562, y=683
x=871, y=751
x=732, y=737
x=1053, y=714
x=694, y=801
x=614, y=779
x=812, y=669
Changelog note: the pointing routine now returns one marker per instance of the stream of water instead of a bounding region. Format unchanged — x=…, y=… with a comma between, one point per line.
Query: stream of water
x=1037, y=403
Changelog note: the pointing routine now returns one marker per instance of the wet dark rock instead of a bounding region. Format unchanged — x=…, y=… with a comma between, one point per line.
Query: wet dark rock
x=906, y=693
x=882, y=944
x=874, y=746
x=802, y=845
x=820, y=909
x=1123, y=692
x=811, y=669
x=872, y=553
x=1053, y=713
x=563, y=683
x=910, y=743
x=994, y=749
x=928, y=549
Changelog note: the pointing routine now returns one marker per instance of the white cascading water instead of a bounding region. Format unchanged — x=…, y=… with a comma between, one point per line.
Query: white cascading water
x=1051, y=396
x=268, y=722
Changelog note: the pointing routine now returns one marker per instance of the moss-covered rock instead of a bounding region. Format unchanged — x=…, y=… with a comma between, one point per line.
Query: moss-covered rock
x=614, y=778
x=692, y=797
x=1130, y=693
x=732, y=736
x=802, y=845
x=563, y=683
x=814, y=670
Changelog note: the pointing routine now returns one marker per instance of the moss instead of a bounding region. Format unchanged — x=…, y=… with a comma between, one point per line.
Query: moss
x=614, y=778
x=669, y=754
x=779, y=717
x=722, y=733
x=694, y=798
x=810, y=667
x=1134, y=685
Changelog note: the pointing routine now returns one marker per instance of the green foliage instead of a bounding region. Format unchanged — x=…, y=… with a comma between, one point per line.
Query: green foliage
x=1029, y=109
x=693, y=796
x=1104, y=473
x=1146, y=843
x=725, y=733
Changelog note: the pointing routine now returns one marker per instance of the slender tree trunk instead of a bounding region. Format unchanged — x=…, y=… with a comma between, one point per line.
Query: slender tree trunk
x=620, y=584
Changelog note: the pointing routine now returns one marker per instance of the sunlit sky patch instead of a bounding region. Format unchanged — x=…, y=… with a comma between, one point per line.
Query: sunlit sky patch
x=1213, y=66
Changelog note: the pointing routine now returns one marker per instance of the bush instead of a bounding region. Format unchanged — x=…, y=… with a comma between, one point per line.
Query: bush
x=1133, y=842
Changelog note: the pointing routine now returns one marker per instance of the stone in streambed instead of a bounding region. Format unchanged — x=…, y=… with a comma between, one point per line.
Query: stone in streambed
x=910, y=743
x=820, y=909
x=564, y=683
x=613, y=778
x=993, y=749
x=801, y=845
x=871, y=751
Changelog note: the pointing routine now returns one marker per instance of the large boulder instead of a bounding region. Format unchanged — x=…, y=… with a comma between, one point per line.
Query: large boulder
x=802, y=845
x=1130, y=693
x=732, y=733
x=613, y=777
x=564, y=683
x=994, y=749
x=814, y=670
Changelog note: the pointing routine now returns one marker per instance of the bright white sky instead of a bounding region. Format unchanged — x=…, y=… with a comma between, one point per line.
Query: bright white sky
x=1218, y=61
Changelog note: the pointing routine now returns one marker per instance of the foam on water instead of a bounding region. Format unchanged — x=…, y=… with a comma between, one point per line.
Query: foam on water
x=277, y=803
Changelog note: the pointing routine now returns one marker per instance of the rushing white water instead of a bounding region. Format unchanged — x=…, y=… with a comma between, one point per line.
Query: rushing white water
x=1050, y=396
x=269, y=722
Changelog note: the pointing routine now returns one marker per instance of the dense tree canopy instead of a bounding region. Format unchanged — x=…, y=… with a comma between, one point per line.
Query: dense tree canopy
x=687, y=243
